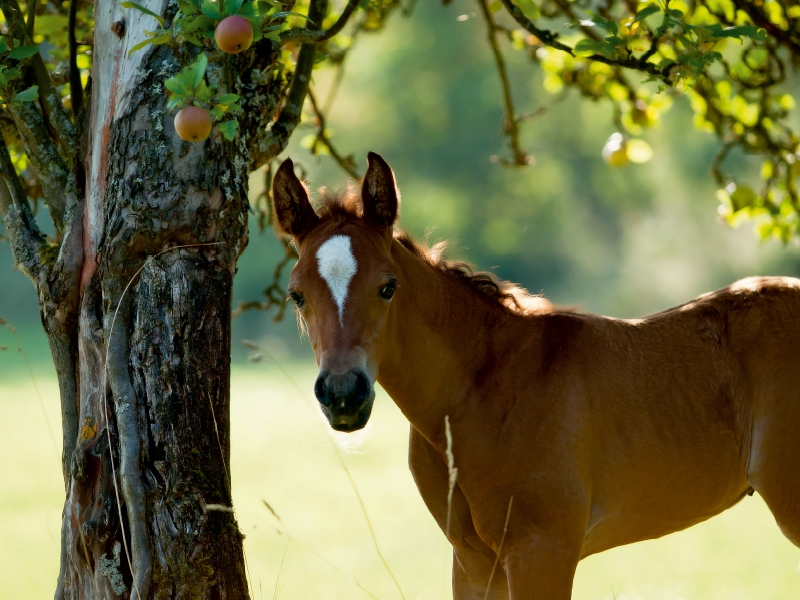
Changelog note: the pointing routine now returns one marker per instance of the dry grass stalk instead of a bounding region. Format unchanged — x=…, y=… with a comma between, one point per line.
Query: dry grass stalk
x=499, y=548
x=452, y=471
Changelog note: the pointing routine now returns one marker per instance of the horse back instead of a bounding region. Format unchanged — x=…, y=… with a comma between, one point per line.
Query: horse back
x=670, y=402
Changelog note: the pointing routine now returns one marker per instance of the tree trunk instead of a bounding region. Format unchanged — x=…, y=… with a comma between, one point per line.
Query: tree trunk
x=147, y=513
x=135, y=296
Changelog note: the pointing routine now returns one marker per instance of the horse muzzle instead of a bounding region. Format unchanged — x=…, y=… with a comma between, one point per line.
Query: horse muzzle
x=345, y=398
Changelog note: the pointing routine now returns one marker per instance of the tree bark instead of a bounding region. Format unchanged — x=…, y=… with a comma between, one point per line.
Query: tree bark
x=163, y=225
x=135, y=296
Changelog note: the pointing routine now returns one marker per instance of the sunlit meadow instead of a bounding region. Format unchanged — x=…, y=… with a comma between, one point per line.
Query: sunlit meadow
x=316, y=543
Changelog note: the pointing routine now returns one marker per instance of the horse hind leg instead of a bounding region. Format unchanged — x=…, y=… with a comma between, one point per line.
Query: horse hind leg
x=774, y=470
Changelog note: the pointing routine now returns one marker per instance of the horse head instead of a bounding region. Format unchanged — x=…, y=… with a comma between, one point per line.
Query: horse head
x=343, y=283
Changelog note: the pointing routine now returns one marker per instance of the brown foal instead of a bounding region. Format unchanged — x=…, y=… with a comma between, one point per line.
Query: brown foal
x=604, y=431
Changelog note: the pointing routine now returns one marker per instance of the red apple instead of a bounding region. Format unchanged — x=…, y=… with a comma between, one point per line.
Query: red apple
x=234, y=34
x=193, y=123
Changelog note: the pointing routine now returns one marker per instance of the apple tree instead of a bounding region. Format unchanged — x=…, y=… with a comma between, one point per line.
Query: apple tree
x=129, y=130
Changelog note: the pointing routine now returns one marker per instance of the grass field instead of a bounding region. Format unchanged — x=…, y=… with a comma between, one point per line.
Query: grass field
x=321, y=546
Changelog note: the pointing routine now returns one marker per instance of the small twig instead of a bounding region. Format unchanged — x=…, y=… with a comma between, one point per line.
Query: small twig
x=510, y=125
x=275, y=292
x=75, y=87
x=499, y=548
x=278, y=136
x=550, y=38
x=452, y=472
x=15, y=188
x=345, y=162
x=307, y=35
x=31, y=16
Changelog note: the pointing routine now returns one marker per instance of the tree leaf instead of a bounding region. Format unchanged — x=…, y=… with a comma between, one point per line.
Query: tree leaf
x=227, y=99
x=189, y=7
x=211, y=10
x=201, y=92
x=174, y=86
x=12, y=74
x=198, y=69
x=22, y=52
x=286, y=13
x=161, y=39
x=140, y=45
x=174, y=102
x=3, y=45
x=228, y=129
x=648, y=10
x=639, y=151
x=742, y=197
x=48, y=24
x=146, y=11
x=585, y=47
x=250, y=10
x=529, y=8
x=748, y=31
x=28, y=95
x=232, y=6
x=199, y=22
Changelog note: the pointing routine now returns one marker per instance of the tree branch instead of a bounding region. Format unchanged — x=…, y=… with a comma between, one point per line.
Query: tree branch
x=50, y=168
x=510, y=125
x=275, y=139
x=54, y=111
x=18, y=218
x=16, y=191
x=550, y=38
x=345, y=162
x=308, y=35
x=761, y=20
x=31, y=16
x=75, y=87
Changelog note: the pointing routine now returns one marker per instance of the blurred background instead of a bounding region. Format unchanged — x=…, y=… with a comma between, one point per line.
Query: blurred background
x=619, y=241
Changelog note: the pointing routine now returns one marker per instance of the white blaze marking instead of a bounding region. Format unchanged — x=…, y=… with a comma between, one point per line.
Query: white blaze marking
x=337, y=265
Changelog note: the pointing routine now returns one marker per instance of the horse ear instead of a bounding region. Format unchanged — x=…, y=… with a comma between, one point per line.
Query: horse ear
x=294, y=215
x=379, y=192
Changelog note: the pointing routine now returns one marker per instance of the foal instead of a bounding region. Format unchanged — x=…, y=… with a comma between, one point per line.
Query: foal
x=604, y=431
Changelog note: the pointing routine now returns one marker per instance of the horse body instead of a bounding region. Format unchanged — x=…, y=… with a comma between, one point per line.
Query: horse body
x=571, y=433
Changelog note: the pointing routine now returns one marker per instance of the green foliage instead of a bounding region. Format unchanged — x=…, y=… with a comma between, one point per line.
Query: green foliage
x=8, y=76
x=189, y=86
x=194, y=24
x=716, y=52
x=196, y=20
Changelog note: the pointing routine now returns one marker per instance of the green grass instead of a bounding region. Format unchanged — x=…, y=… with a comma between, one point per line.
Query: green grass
x=283, y=454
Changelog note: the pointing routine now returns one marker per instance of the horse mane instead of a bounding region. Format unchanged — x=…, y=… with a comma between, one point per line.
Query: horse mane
x=346, y=204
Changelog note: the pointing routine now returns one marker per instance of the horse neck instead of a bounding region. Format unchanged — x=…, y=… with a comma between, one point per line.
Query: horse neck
x=436, y=340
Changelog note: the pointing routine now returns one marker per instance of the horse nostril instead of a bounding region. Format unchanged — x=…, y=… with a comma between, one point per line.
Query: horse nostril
x=362, y=388
x=320, y=392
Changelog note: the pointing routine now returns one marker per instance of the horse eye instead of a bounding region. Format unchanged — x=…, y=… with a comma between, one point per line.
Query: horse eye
x=387, y=291
x=296, y=298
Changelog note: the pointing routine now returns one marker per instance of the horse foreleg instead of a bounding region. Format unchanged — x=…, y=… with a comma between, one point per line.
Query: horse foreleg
x=472, y=572
x=473, y=560
x=542, y=566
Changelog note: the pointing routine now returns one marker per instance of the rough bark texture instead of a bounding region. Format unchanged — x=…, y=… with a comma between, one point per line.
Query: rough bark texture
x=135, y=297
x=154, y=354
